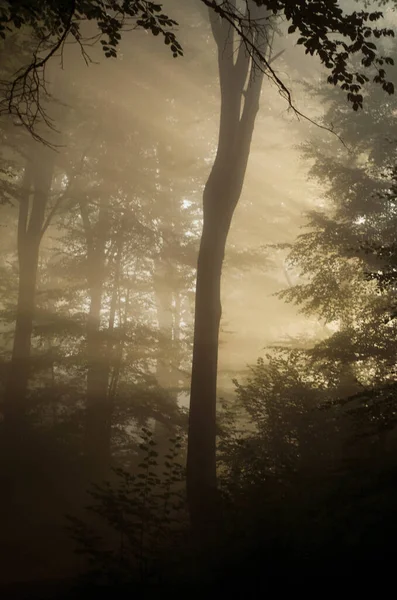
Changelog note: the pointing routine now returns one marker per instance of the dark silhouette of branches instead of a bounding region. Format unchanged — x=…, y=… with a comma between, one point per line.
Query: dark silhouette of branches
x=52, y=24
x=325, y=30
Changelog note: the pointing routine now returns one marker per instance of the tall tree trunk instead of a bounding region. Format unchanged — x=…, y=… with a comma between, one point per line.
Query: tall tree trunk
x=239, y=107
x=98, y=409
x=98, y=414
x=164, y=278
x=37, y=183
x=163, y=292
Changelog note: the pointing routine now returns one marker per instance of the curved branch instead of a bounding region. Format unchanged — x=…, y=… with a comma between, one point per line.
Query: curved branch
x=35, y=66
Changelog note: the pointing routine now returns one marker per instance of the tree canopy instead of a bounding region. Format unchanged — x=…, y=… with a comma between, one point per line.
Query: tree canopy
x=324, y=29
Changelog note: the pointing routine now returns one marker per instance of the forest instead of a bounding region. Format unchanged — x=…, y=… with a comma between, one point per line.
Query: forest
x=198, y=295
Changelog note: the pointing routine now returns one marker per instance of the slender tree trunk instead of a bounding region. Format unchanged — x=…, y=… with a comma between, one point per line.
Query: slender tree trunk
x=163, y=294
x=201, y=461
x=176, y=339
x=239, y=107
x=98, y=414
x=98, y=407
x=37, y=182
x=163, y=281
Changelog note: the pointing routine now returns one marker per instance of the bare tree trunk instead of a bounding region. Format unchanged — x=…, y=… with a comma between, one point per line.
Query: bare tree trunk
x=165, y=280
x=163, y=293
x=98, y=411
x=239, y=107
x=37, y=182
x=97, y=421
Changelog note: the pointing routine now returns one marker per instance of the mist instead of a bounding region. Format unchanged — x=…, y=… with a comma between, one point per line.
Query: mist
x=197, y=303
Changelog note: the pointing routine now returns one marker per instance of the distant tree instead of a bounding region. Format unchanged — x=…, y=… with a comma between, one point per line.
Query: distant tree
x=346, y=259
x=37, y=204
x=106, y=232
x=30, y=232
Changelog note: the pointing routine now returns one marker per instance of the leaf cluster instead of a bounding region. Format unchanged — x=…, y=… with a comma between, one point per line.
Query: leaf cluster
x=145, y=515
x=335, y=36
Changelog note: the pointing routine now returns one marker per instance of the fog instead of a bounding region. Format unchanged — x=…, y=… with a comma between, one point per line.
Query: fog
x=101, y=220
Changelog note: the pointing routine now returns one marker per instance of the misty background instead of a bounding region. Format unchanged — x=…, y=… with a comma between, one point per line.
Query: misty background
x=307, y=355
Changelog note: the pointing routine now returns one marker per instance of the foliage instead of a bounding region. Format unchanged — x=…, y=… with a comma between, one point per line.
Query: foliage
x=381, y=250
x=321, y=489
x=314, y=22
x=325, y=30
x=52, y=24
x=51, y=19
x=145, y=513
x=345, y=260
x=282, y=400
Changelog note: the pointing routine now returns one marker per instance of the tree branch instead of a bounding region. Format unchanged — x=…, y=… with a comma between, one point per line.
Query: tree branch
x=263, y=64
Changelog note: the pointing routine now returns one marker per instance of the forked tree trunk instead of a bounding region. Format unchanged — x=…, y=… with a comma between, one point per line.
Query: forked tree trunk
x=240, y=86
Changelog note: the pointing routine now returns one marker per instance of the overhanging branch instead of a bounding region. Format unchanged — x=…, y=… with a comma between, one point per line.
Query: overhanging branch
x=240, y=26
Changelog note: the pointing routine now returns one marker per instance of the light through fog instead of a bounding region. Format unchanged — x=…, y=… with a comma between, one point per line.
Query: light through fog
x=106, y=340
x=179, y=112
